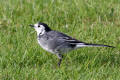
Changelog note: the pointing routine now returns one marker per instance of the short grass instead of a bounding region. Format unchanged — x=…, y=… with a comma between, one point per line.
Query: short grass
x=93, y=21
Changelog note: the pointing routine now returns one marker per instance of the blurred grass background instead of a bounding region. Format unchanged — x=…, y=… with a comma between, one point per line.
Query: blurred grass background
x=93, y=21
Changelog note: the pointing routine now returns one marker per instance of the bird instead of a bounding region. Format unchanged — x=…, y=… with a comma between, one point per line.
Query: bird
x=57, y=42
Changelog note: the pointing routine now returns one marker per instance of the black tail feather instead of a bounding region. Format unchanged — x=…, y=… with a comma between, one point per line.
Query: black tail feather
x=99, y=45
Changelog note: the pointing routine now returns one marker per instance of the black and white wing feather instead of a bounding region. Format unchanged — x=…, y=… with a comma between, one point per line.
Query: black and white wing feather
x=74, y=42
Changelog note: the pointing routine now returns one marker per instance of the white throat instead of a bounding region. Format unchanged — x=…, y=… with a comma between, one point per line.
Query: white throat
x=40, y=30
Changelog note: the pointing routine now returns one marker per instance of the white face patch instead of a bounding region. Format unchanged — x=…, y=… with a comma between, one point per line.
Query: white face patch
x=40, y=29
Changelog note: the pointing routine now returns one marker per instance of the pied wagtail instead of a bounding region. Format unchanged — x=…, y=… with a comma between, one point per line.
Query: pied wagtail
x=58, y=43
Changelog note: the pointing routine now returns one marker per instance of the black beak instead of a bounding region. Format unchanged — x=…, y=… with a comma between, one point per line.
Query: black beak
x=31, y=25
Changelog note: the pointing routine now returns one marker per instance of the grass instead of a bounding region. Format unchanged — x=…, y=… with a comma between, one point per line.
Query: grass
x=93, y=21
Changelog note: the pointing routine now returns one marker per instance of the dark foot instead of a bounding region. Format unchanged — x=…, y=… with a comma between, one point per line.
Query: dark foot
x=60, y=60
x=60, y=56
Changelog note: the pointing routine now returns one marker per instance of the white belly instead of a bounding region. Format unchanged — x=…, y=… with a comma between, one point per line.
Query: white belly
x=45, y=47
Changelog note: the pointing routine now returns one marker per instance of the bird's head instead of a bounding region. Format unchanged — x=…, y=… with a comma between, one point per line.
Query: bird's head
x=40, y=28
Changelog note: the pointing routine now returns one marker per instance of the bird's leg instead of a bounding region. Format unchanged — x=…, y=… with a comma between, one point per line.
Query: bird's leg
x=60, y=59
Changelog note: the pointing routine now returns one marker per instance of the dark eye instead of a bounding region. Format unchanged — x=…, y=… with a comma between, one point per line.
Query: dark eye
x=38, y=25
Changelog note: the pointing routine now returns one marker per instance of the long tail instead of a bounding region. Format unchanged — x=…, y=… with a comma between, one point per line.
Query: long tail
x=92, y=45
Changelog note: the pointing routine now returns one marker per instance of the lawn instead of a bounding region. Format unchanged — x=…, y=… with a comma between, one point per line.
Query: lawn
x=92, y=21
